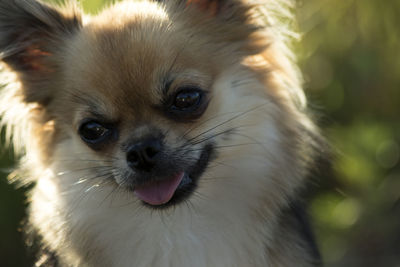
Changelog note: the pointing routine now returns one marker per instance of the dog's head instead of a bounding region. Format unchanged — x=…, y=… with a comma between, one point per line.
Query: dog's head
x=159, y=98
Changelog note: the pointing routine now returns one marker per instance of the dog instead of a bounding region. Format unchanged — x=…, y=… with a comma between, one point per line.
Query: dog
x=159, y=133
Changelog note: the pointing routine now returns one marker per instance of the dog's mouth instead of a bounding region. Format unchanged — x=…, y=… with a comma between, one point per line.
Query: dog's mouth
x=176, y=188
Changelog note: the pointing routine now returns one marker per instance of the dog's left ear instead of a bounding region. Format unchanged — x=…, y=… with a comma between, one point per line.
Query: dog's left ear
x=211, y=7
x=31, y=33
x=228, y=21
x=226, y=10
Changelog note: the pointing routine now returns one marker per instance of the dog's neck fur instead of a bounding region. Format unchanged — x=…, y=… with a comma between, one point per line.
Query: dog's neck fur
x=116, y=232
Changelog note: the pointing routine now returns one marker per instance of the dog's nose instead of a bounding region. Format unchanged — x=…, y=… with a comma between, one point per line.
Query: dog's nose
x=142, y=156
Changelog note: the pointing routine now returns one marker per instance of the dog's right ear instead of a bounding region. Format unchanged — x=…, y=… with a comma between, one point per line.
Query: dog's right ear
x=31, y=34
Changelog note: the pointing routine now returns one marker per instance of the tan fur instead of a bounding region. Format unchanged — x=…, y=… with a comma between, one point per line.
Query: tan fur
x=115, y=64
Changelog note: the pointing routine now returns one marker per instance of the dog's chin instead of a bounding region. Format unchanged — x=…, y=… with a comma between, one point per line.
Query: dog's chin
x=177, y=188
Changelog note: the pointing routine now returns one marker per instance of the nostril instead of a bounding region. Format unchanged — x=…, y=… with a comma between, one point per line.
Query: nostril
x=142, y=156
x=133, y=157
x=151, y=152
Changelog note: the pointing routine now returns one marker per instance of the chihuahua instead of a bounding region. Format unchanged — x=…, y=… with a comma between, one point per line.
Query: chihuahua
x=159, y=133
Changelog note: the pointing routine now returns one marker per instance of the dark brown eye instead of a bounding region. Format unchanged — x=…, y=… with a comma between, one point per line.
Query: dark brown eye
x=187, y=99
x=93, y=132
x=187, y=104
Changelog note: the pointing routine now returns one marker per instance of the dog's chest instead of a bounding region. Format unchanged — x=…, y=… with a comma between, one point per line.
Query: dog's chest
x=102, y=229
x=165, y=242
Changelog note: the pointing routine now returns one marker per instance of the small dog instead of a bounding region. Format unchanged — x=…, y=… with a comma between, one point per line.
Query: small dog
x=159, y=133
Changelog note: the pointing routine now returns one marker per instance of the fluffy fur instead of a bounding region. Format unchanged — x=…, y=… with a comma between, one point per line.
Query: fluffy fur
x=119, y=67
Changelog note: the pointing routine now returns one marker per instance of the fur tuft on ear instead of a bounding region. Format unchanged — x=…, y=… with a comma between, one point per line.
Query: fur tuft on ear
x=212, y=7
x=226, y=10
x=30, y=34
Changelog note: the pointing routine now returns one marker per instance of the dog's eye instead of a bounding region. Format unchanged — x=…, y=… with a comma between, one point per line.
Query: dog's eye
x=187, y=104
x=187, y=99
x=93, y=132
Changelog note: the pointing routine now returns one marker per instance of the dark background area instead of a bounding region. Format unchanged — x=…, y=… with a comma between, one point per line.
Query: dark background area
x=349, y=54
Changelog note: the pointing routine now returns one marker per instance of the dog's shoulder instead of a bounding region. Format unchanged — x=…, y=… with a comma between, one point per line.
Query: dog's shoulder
x=294, y=240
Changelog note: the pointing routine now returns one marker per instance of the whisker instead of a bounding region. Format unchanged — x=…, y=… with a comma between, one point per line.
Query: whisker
x=93, y=177
x=252, y=139
x=84, y=193
x=200, y=195
x=108, y=195
x=229, y=120
x=212, y=136
x=84, y=160
x=204, y=122
x=66, y=172
x=90, y=155
x=220, y=147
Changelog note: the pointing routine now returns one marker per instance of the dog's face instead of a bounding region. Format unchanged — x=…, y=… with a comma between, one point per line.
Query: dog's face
x=156, y=99
x=136, y=92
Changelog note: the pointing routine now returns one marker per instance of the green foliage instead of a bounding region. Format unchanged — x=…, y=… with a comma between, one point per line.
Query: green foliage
x=94, y=6
x=348, y=56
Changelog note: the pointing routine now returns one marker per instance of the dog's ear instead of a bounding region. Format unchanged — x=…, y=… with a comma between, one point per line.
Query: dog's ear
x=224, y=9
x=31, y=33
x=227, y=21
x=211, y=7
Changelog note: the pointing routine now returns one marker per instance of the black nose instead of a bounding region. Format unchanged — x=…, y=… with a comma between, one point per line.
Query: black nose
x=142, y=156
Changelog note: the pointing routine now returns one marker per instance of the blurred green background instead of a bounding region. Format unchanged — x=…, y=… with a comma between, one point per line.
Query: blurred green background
x=349, y=54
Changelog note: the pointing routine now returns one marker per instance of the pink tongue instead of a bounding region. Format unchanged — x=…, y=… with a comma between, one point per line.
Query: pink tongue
x=160, y=192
